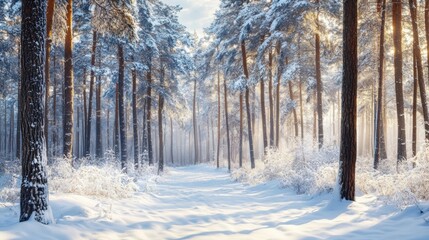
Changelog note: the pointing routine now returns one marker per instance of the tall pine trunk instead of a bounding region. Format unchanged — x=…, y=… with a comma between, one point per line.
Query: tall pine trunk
x=319, y=84
x=295, y=115
x=160, y=124
x=194, y=123
x=91, y=94
x=278, y=100
x=148, y=116
x=228, y=141
x=263, y=116
x=270, y=96
x=397, y=42
x=349, y=101
x=68, y=86
x=415, y=89
x=98, y=137
x=121, y=95
x=378, y=120
x=249, y=120
x=419, y=63
x=34, y=201
x=135, y=123
x=49, y=21
x=218, y=119
x=116, y=134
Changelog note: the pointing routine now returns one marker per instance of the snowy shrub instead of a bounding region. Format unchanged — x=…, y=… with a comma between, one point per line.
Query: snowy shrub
x=305, y=171
x=104, y=179
x=89, y=177
x=10, y=181
x=311, y=171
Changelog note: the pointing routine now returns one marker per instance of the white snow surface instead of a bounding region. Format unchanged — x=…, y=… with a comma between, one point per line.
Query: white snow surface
x=201, y=202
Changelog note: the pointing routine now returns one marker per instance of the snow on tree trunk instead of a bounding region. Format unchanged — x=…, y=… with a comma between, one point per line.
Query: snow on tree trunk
x=68, y=85
x=34, y=187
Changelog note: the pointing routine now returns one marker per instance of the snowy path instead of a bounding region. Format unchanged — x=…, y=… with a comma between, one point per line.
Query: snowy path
x=203, y=203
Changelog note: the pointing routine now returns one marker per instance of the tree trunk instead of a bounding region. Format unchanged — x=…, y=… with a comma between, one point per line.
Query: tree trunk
x=270, y=97
x=418, y=59
x=34, y=187
x=91, y=94
x=18, y=125
x=121, y=95
x=349, y=100
x=98, y=137
x=194, y=120
x=240, y=143
x=228, y=141
x=135, y=123
x=427, y=27
x=415, y=88
x=160, y=124
x=85, y=109
x=116, y=135
x=171, y=141
x=397, y=42
x=68, y=86
x=295, y=116
x=278, y=104
x=301, y=112
x=378, y=122
x=54, y=109
x=148, y=116
x=249, y=121
x=319, y=84
x=218, y=119
x=49, y=21
x=263, y=116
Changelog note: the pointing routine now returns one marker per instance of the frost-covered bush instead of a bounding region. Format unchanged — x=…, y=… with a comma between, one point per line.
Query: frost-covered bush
x=89, y=177
x=310, y=171
x=304, y=170
x=10, y=181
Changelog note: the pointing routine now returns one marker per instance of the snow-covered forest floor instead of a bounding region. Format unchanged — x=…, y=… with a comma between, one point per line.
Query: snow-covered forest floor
x=201, y=202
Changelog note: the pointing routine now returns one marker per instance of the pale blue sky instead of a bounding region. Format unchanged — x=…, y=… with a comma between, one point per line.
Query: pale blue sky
x=196, y=14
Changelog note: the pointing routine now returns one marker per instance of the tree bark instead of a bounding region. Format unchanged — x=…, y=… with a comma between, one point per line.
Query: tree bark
x=263, y=116
x=116, y=135
x=91, y=94
x=148, y=116
x=135, y=123
x=270, y=97
x=98, y=137
x=349, y=100
x=295, y=116
x=278, y=102
x=319, y=84
x=218, y=119
x=249, y=121
x=34, y=199
x=160, y=124
x=397, y=42
x=240, y=143
x=68, y=86
x=194, y=121
x=121, y=95
x=49, y=21
x=414, y=127
x=418, y=59
x=228, y=141
x=378, y=122
x=18, y=125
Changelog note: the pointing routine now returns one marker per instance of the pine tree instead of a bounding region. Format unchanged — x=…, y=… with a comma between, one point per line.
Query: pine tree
x=349, y=99
x=34, y=186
